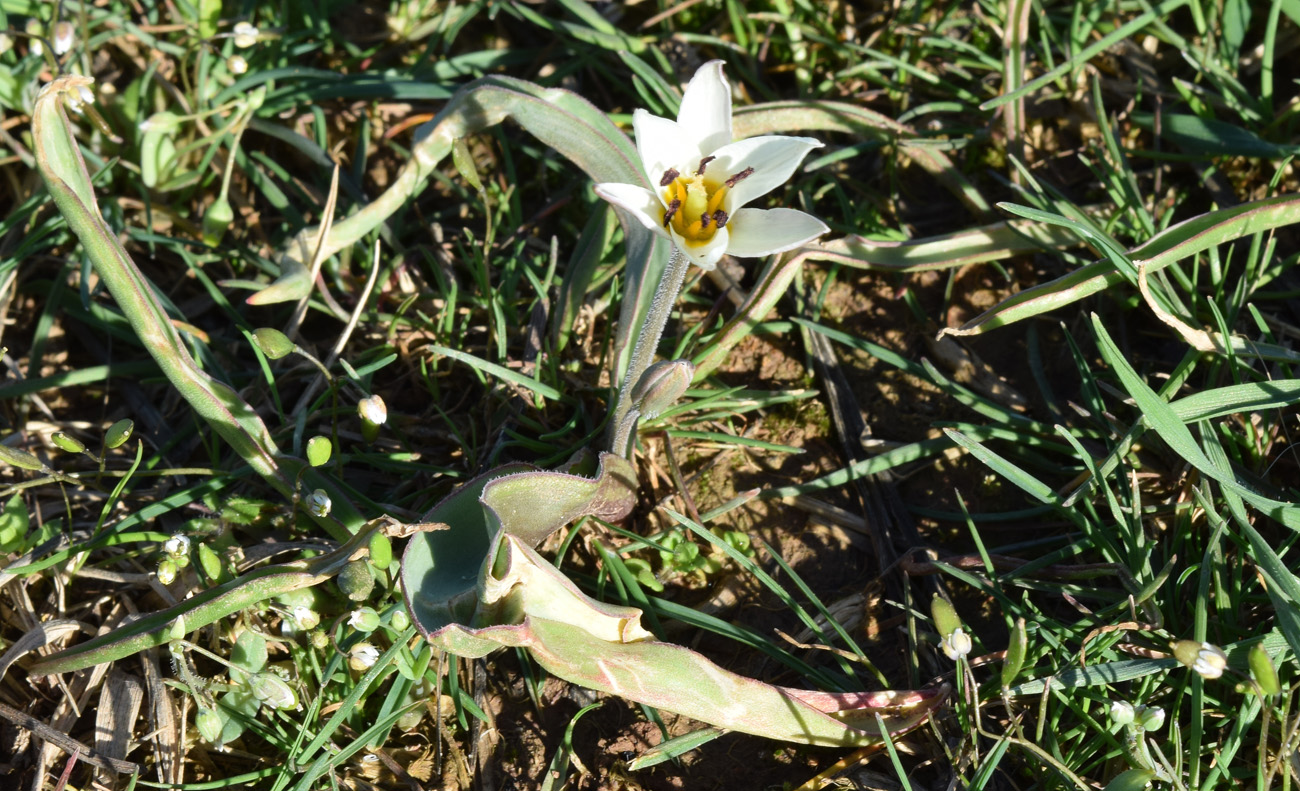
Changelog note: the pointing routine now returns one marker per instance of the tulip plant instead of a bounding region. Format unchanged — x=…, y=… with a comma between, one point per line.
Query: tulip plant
x=475, y=583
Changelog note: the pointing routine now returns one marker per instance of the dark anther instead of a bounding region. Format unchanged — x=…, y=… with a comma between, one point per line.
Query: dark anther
x=739, y=177
x=703, y=164
x=670, y=176
x=720, y=218
x=704, y=221
x=672, y=209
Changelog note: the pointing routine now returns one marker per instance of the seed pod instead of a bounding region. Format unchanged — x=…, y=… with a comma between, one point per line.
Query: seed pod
x=67, y=442
x=118, y=433
x=20, y=458
x=1264, y=671
x=1016, y=650
x=381, y=551
x=464, y=162
x=945, y=617
x=158, y=148
x=273, y=343
x=216, y=220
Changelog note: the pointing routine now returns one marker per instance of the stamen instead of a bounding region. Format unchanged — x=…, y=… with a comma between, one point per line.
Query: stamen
x=720, y=218
x=739, y=177
x=672, y=210
x=703, y=164
x=704, y=221
x=670, y=175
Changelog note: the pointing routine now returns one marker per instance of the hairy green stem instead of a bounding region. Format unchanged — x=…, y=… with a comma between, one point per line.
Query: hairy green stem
x=623, y=425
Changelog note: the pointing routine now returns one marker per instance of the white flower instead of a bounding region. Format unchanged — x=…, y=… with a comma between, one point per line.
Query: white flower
x=245, y=34
x=363, y=656
x=373, y=410
x=957, y=644
x=177, y=545
x=704, y=179
x=305, y=617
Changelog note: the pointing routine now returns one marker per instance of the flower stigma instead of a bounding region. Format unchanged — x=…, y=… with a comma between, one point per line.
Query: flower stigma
x=694, y=201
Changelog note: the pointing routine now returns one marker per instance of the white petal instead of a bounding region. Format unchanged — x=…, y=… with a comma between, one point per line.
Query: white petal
x=773, y=158
x=760, y=232
x=705, y=113
x=707, y=255
x=639, y=202
x=661, y=144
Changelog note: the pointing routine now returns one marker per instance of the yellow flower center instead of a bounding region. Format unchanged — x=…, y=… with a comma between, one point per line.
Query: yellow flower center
x=694, y=202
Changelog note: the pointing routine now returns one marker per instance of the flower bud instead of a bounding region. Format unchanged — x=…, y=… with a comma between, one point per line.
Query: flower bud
x=364, y=619
x=209, y=725
x=373, y=410
x=64, y=37
x=1149, y=718
x=245, y=34
x=661, y=385
x=1207, y=660
x=273, y=343
x=373, y=413
x=362, y=657
x=400, y=620
x=1263, y=669
x=318, y=502
x=35, y=29
x=273, y=691
x=411, y=719
x=237, y=65
x=356, y=581
x=177, y=630
x=67, y=442
x=1121, y=712
x=166, y=571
